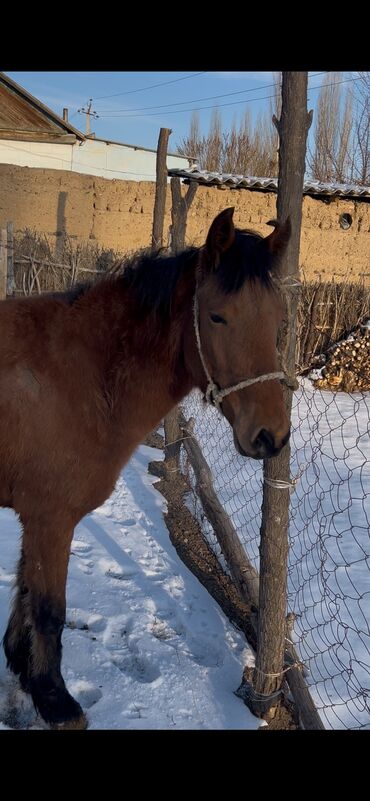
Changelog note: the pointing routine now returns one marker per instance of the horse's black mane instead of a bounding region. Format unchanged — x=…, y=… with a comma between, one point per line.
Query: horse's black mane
x=153, y=277
x=247, y=260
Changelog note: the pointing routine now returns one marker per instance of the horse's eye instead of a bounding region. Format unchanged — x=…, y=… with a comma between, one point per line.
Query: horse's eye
x=217, y=319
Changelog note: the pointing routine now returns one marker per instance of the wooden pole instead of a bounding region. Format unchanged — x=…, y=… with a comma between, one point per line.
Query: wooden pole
x=179, y=212
x=3, y=263
x=172, y=439
x=10, y=259
x=269, y=669
x=242, y=570
x=160, y=188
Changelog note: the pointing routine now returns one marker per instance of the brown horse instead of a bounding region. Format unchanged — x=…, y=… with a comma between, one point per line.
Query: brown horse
x=86, y=374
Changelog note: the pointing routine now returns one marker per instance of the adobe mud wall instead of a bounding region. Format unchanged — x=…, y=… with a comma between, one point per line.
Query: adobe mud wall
x=118, y=214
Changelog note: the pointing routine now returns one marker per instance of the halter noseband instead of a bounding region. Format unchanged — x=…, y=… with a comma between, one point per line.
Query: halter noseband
x=214, y=394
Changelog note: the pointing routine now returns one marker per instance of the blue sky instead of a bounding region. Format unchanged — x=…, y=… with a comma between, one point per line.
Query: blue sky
x=132, y=115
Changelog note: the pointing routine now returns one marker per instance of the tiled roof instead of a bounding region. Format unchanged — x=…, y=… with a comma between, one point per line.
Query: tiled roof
x=251, y=182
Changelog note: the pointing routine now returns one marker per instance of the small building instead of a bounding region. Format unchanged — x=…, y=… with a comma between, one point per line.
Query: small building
x=32, y=135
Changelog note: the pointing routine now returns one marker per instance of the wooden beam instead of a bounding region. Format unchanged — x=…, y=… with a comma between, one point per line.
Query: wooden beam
x=242, y=570
x=3, y=262
x=37, y=136
x=10, y=286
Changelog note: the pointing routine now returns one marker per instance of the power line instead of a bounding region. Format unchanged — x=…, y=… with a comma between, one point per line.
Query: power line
x=334, y=83
x=199, y=99
x=181, y=110
x=152, y=86
x=221, y=105
x=183, y=102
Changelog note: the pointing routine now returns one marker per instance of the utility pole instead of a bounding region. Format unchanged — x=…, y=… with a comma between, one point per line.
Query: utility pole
x=89, y=114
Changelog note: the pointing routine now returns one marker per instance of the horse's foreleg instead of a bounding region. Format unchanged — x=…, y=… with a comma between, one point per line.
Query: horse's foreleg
x=45, y=558
x=17, y=636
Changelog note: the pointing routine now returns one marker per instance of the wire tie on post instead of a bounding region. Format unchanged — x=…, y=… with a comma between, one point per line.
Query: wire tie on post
x=280, y=483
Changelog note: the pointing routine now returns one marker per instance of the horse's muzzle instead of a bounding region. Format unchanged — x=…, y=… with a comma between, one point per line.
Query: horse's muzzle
x=264, y=445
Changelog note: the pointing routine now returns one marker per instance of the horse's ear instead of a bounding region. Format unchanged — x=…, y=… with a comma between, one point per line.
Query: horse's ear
x=221, y=236
x=276, y=243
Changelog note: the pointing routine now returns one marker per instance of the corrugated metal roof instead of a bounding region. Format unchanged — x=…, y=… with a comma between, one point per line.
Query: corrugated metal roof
x=21, y=111
x=267, y=184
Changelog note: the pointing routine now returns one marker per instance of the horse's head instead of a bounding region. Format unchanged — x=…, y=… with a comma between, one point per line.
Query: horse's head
x=238, y=312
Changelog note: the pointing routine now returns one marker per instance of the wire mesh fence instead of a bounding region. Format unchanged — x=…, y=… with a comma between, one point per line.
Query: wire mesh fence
x=329, y=563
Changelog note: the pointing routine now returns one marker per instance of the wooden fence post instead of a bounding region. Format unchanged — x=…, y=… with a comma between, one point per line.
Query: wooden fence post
x=171, y=428
x=10, y=259
x=179, y=212
x=270, y=664
x=242, y=570
x=160, y=188
x=3, y=263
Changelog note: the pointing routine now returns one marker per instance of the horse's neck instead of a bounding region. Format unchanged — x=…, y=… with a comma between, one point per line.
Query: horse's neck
x=151, y=362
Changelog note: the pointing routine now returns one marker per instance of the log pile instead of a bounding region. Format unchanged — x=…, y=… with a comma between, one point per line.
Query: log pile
x=347, y=364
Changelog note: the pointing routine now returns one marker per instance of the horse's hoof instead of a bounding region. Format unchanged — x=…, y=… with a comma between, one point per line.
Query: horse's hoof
x=55, y=705
x=76, y=723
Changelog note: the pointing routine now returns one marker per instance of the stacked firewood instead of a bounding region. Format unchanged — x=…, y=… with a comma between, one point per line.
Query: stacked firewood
x=347, y=364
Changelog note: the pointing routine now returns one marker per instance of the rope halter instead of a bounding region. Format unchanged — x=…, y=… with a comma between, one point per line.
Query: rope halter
x=214, y=394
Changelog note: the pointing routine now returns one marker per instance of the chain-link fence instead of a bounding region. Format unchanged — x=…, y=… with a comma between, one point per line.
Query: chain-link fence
x=329, y=563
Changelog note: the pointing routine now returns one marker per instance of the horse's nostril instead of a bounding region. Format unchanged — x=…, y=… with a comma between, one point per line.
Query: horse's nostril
x=265, y=440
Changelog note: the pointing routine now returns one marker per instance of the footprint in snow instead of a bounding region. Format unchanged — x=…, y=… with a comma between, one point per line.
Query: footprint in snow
x=85, y=693
x=79, y=547
x=125, y=653
x=85, y=621
x=85, y=567
x=114, y=570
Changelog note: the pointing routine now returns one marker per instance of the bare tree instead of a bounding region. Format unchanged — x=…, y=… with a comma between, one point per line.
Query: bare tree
x=243, y=150
x=330, y=158
x=341, y=143
x=206, y=149
x=360, y=172
x=344, y=147
x=214, y=141
x=193, y=140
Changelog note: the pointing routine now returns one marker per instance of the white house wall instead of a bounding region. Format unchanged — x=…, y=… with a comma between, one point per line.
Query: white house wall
x=92, y=157
x=36, y=154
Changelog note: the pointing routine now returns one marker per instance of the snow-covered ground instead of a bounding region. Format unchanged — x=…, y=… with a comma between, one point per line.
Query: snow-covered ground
x=145, y=646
